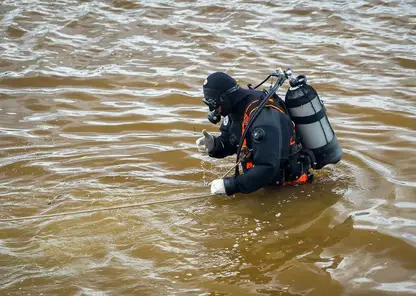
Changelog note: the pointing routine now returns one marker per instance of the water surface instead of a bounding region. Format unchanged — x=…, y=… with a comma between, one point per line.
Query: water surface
x=100, y=106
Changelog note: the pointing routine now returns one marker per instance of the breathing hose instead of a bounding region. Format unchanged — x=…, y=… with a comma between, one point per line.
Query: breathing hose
x=281, y=77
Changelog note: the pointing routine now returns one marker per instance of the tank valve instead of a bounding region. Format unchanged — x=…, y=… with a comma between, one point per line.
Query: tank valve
x=289, y=75
x=295, y=80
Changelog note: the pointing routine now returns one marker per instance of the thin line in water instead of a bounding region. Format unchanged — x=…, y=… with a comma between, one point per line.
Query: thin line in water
x=101, y=209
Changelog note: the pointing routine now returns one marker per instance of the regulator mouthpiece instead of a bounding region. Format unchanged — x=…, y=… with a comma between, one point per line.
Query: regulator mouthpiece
x=214, y=116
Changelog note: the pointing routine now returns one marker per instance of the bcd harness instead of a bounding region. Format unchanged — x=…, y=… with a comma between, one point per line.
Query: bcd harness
x=295, y=170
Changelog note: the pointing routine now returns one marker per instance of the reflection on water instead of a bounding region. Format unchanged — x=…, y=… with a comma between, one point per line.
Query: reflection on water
x=100, y=106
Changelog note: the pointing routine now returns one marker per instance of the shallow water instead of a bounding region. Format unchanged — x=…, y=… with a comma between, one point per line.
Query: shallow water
x=100, y=106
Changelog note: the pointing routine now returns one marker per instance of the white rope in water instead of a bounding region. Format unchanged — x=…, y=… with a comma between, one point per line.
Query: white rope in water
x=229, y=171
x=135, y=205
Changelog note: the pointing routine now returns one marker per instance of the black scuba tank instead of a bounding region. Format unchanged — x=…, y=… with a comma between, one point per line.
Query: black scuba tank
x=312, y=125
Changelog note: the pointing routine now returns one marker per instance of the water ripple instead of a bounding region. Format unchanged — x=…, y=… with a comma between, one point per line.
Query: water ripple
x=100, y=105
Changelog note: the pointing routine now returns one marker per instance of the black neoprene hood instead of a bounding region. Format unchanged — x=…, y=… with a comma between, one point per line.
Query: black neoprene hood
x=216, y=89
x=216, y=85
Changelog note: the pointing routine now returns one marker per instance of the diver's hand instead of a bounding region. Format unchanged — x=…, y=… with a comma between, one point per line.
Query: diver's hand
x=205, y=144
x=218, y=187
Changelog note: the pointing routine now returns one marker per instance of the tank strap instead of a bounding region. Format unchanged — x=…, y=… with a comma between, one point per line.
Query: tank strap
x=309, y=119
x=308, y=95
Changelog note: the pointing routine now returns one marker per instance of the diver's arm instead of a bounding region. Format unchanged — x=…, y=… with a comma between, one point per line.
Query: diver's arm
x=222, y=143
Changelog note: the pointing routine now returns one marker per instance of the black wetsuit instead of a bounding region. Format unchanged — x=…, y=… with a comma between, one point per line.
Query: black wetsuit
x=269, y=138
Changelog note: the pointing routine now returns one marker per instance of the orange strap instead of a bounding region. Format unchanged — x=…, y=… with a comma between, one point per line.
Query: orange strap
x=246, y=119
x=247, y=116
x=303, y=179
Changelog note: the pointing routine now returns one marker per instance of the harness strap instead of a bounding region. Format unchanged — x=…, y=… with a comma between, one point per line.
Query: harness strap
x=245, y=156
x=252, y=107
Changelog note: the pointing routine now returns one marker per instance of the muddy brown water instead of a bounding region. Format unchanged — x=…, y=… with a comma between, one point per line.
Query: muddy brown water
x=100, y=106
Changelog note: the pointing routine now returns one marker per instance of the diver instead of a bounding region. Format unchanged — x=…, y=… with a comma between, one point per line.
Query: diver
x=270, y=153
